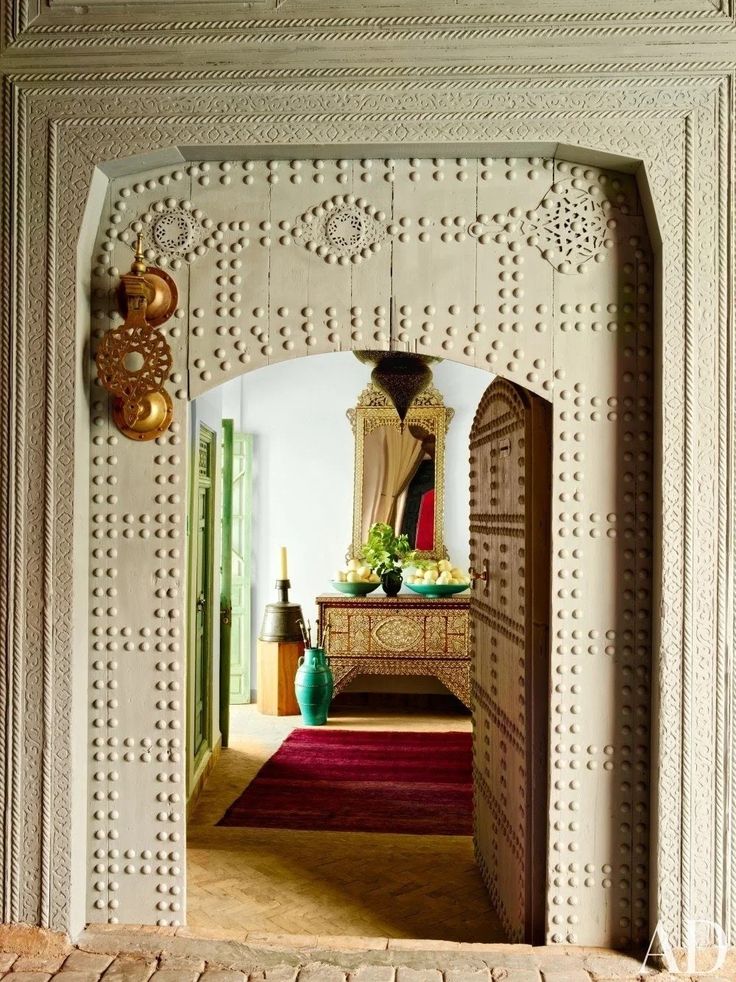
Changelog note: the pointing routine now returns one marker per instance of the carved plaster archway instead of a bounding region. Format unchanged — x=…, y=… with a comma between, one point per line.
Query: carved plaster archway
x=676, y=119
x=536, y=268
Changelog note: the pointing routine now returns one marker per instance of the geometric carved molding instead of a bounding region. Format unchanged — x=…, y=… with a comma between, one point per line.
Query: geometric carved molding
x=681, y=131
x=399, y=634
x=341, y=230
x=569, y=226
x=331, y=25
x=171, y=230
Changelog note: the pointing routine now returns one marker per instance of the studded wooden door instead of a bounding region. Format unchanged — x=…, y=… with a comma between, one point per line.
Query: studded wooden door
x=510, y=477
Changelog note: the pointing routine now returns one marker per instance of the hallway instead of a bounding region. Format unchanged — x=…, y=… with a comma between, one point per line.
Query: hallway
x=327, y=884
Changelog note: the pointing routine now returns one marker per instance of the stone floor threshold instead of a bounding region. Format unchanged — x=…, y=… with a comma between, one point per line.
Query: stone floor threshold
x=111, y=953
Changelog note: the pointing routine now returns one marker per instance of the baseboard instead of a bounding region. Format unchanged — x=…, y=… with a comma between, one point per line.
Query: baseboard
x=202, y=775
x=27, y=939
x=407, y=701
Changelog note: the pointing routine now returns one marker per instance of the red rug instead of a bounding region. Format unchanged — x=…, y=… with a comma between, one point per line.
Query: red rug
x=362, y=781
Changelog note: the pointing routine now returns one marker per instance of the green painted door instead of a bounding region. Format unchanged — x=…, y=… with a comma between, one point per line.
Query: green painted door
x=201, y=565
x=226, y=574
x=241, y=568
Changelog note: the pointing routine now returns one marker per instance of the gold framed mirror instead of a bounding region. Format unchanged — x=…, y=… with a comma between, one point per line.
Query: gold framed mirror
x=399, y=473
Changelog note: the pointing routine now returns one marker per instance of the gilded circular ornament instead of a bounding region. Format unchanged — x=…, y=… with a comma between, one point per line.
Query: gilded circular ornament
x=132, y=362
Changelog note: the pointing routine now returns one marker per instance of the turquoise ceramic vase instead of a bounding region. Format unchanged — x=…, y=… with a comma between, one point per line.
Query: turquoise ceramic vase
x=313, y=685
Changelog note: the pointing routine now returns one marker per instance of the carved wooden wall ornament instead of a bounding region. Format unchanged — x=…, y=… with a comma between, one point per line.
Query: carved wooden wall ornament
x=670, y=117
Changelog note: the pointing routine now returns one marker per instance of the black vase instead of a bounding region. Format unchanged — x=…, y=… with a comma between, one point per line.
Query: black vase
x=391, y=582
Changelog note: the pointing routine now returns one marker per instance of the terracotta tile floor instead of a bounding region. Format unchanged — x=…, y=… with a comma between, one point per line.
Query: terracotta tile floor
x=270, y=881
x=110, y=953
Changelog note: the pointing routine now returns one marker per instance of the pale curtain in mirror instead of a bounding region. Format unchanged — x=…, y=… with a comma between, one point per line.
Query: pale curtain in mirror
x=391, y=458
x=396, y=468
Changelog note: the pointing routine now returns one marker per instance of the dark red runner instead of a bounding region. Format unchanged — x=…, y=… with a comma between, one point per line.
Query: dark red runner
x=362, y=781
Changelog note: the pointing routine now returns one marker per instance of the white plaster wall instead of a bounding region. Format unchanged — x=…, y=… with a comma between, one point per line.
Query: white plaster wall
x=462, y=387
x=303, y=453
x=233, y=402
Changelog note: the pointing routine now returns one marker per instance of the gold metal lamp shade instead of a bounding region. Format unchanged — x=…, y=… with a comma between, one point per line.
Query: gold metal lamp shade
x=402, y=376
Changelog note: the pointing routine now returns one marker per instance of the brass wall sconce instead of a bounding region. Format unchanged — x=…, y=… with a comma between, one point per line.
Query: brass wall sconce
x=134, y=360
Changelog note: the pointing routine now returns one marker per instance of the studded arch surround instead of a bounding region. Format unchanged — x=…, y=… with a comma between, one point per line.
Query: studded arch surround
x=237, y=209
x=292, y=257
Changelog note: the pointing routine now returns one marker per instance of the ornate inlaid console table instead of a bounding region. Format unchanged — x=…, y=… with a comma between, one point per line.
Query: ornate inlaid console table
x=403, y=635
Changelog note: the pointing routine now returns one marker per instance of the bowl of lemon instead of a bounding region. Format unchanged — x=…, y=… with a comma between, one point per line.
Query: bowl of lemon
x=437, y=579
x=357, y=580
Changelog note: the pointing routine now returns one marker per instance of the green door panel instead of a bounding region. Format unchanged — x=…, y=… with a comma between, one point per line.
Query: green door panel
x=226, y=573
x=240, y=631
x=201, y=602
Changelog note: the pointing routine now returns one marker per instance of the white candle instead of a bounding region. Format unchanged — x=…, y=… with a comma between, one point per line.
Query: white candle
x=284, y=573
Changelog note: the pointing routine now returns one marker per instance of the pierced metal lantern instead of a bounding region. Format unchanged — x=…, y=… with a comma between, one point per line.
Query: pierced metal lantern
x=401, y=375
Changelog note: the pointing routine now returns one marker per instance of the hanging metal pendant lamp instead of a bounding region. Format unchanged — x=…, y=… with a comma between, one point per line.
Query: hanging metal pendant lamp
x=401, y=375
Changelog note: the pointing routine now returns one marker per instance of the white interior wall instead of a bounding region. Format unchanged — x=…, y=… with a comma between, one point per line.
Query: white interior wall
x=303, y=453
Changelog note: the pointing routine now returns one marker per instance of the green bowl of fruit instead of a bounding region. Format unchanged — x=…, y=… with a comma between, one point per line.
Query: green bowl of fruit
x=356, y=580
x=437, y=589
x=437, y=579
x=356, y=589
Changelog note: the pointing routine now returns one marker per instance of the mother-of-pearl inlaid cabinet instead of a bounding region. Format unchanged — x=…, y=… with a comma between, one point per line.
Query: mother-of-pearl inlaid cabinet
x=404, y=635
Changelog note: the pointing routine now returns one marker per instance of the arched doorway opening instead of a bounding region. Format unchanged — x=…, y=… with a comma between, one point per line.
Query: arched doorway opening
x=251, y=867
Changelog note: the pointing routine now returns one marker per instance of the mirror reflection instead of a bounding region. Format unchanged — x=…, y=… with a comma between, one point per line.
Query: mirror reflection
x=399, y=479
x=399, y=476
